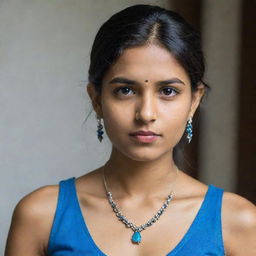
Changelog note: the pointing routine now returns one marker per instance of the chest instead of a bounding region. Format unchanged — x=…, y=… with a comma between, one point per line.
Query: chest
x=113, y=238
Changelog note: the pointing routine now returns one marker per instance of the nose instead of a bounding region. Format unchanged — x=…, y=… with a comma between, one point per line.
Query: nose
x=146, y=110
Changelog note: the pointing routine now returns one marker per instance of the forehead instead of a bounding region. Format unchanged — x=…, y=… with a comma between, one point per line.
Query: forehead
x=150, y=62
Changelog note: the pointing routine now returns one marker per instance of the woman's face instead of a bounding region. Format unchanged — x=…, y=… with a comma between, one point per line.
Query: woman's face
x=146, y=80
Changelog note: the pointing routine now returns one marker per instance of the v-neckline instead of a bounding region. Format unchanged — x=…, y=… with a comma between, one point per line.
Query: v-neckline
x=179, y=245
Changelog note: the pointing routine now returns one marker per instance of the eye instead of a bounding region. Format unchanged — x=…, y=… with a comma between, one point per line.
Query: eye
x=124, y=90
x=169, y=91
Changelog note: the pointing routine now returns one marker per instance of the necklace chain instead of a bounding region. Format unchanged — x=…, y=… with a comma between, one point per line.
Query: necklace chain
x=137, y=229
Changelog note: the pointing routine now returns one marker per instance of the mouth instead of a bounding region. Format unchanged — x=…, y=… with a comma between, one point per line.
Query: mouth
x=144, y=133
x=144, y=136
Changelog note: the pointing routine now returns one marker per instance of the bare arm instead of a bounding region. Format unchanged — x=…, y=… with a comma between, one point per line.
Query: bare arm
x=31, y=223
x=239, y=225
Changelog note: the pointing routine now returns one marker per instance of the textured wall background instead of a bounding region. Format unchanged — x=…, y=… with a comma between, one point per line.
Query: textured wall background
x=44, y=56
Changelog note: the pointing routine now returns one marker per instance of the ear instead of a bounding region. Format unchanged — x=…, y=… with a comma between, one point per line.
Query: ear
x=95, y=98
x=196, y=99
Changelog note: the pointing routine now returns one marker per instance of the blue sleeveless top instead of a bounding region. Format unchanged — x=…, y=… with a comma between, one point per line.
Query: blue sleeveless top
x=70, y=236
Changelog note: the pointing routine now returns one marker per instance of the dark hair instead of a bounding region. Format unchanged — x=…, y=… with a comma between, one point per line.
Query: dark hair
x=142, y=24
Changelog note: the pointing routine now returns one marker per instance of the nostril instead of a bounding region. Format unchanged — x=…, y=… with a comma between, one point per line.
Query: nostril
x=146, y=116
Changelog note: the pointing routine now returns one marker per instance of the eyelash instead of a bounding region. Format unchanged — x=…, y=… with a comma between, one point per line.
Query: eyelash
x=170, y=95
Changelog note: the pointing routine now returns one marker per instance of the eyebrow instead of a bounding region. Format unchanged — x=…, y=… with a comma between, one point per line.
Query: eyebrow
x=123, y=80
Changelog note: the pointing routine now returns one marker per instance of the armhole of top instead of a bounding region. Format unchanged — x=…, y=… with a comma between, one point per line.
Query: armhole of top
x=56, y=216
x=220, y=233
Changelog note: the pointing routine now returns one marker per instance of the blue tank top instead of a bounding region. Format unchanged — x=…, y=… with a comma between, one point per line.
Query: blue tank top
x=70, y=236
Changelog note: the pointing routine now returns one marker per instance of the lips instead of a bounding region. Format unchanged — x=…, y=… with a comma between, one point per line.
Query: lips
x=144, y=136
x=144, y=133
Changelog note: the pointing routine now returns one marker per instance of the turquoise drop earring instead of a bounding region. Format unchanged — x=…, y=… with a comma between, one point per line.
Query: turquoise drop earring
x=99, y=130
x=189, y=130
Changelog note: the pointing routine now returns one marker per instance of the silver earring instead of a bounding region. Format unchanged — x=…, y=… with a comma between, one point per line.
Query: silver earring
x=100, y=129
x=189, y=129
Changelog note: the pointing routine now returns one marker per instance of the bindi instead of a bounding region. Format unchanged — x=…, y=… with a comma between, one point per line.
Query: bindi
x=146, y=81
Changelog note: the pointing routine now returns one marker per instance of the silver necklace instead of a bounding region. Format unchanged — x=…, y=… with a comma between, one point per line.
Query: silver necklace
x=136, y=237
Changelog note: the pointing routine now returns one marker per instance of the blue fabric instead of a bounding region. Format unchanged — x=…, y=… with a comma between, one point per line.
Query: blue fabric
x=70, y=236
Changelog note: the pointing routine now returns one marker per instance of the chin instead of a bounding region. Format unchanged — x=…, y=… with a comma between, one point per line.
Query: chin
x=142, y=158
x=142, y=154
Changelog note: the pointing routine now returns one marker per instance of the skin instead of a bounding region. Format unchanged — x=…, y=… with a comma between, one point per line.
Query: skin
x=138, y=175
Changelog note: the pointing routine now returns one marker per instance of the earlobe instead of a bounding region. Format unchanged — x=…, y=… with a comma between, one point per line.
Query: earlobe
x=95, y=99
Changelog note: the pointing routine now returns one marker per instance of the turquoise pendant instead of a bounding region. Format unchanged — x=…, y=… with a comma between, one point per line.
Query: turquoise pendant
x=136, y=237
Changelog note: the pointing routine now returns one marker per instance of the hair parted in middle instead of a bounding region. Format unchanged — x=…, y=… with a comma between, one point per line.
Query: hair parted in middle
x=139, y=25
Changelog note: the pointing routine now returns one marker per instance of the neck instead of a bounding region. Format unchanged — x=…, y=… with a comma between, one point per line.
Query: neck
x=126, y=177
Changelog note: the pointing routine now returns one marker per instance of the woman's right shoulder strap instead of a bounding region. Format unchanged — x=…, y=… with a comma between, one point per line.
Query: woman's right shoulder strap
x=65, y=192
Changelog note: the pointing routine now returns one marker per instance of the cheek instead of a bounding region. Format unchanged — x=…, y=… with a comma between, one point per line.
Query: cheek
x=175, y=120
x=117, y=118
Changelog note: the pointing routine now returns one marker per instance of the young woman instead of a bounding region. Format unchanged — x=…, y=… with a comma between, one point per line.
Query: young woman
x=145, y=83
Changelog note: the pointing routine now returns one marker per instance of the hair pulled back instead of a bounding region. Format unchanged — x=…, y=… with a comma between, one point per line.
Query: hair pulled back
x=139, y=25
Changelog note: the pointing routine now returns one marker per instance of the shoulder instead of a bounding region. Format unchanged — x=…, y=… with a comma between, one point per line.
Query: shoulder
x=38, y=203
x=238, y=212
x=32, y=220
x=239, y=224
